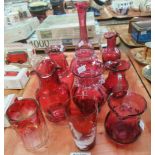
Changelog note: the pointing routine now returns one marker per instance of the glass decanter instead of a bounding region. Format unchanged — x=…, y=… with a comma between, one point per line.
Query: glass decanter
x=84, y=47
x=123, y=123
x=53, y=95
x=56, y=54
x=116, y=82
x=111, y=52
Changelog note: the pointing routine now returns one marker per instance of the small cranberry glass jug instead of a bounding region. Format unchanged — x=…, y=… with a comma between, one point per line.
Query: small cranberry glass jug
x=123, y=123
x=88, y=83
x=56, y=54
x=116, y=82
x=111, y=53
x=53, y=95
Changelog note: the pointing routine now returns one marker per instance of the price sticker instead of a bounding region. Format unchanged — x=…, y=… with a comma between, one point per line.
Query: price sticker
x=82, y=69
x=141, y=124
x=80, y=153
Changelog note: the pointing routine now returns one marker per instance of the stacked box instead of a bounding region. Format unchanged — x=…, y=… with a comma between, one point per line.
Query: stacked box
x=64, y=27
x=21, y=30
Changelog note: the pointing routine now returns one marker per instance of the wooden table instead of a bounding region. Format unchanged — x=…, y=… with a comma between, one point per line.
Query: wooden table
x=60, y=138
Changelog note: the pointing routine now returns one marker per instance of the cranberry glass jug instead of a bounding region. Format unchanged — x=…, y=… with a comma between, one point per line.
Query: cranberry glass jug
x=116, y=82
x=111, y=53
x=123, y=123
x=88, y=83
x=53, y=95
x=56, y=54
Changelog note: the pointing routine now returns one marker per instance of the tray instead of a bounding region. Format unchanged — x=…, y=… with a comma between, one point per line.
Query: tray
x=140, y=55
x=60, y=139
x=131, y=13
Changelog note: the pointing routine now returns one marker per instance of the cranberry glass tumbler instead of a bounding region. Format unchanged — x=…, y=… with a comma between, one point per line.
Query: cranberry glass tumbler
x=82, y=125
x=123, y=123
x=26, y=118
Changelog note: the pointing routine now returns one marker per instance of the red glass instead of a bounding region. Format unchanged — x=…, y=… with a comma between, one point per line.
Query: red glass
x=16, y=57
x=26, y=118
x=82, y=125
x=116, y=82
x=123, y=121
x=84, y=48
x=89, y=82
x=52, y=94
x=82, y=10
x=111, y=53
x=56, y=54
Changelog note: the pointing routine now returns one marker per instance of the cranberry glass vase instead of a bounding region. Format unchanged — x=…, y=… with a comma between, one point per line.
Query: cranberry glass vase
x=123, y=123
x=26, y=118
x=53, y=95
x=84, y=48
x=56, y=54
x=82, y=124
x=111, y=53
x=116, y=82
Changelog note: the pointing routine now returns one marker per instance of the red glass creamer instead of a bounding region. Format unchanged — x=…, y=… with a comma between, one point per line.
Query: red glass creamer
x=123, y=123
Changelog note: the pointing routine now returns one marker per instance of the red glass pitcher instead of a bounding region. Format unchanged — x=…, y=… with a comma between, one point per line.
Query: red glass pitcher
x=53, y=95
x=56, y=53
x=123, y=123
x=116, y=82
x=111, y=53
x=88, y=82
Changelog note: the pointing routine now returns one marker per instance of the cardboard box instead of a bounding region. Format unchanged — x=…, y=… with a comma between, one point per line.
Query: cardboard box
x=8, y=100
x=64, y=27
x=16, y=81
x=21, y=30
x=42, y=44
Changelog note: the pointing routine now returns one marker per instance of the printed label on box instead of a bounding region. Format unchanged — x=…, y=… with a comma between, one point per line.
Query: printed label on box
x=46, y=34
